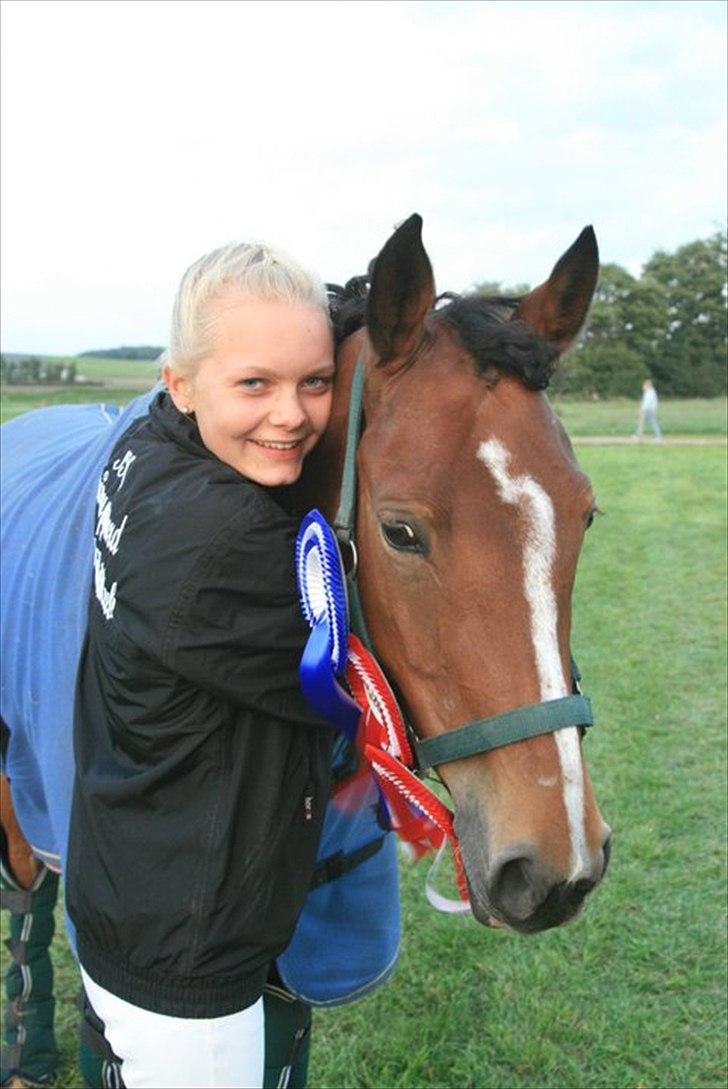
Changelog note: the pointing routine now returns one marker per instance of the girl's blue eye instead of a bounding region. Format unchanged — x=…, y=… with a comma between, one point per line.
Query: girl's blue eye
x=318, y=382
x=251, y=383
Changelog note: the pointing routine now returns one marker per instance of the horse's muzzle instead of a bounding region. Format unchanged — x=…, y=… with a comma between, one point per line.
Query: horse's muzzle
x=524, y=893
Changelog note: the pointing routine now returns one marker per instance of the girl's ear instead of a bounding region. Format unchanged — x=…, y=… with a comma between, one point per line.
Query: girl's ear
x=179, y=387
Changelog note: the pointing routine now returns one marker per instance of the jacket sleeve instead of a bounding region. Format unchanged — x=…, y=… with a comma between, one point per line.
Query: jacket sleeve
x=237, y=630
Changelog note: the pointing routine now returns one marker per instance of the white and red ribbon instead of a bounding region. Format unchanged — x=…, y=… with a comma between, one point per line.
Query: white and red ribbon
x=416, y=813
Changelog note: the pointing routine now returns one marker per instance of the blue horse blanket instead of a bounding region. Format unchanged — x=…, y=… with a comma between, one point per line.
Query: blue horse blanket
x=347, y=938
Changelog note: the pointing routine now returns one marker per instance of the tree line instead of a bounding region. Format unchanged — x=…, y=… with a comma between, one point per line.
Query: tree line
x=668, y=324
x=141, y=351
x=35, y=370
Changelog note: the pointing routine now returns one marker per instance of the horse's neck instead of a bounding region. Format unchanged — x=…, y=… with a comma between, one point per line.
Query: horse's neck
x=321, y=480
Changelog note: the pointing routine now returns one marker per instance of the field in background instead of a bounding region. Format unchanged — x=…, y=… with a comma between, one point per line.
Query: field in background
x=117, y=370
x=120, y=380
x=115, y=381
x=15, y=400
x=694, y=417
x=633, y=993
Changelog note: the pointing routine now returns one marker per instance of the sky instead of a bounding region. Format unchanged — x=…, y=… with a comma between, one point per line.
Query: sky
x=139, y=134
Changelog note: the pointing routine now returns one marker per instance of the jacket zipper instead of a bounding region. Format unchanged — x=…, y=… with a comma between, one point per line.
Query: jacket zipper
x=308, y=794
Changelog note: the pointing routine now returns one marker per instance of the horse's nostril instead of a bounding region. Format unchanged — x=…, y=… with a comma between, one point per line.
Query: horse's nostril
x=606, y=852
x=517, y=886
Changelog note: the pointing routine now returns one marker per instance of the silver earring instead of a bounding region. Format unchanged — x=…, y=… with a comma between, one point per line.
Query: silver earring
x=185, y=409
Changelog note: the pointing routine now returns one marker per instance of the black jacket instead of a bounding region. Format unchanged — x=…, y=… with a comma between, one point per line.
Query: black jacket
x=202, y=774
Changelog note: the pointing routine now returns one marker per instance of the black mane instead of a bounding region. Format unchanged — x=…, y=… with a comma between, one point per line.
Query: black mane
x=485, y=326
x=347, y=306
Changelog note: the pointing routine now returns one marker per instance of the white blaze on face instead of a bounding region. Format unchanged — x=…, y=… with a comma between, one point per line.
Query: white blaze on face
x=539, y=550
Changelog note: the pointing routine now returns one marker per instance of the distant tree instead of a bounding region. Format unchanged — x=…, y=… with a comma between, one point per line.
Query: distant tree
x=493, y=289
x=601, y=370
x=691, y=361
x=668, y=324
x=625, y=327
x=33, y=370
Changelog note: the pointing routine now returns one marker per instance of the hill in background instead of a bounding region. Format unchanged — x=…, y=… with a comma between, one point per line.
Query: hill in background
x=142, y=351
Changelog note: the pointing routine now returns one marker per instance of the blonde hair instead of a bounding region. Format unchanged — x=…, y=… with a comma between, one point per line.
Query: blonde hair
x=249, y=268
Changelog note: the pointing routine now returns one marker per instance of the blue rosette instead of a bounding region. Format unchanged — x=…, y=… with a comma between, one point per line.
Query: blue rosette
x=322, y=590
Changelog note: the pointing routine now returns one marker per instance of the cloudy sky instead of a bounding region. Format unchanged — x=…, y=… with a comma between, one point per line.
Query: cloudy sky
x=137, y=135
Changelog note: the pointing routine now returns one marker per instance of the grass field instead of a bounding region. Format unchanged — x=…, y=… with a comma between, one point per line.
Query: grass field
x=15, y=400
x=101, y=369
x=115, y=381
x=619, y=416
x=121, y=380
x=97, y=369
x=633, y=994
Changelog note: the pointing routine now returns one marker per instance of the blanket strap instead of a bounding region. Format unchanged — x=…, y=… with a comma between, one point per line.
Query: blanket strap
x=336, y=865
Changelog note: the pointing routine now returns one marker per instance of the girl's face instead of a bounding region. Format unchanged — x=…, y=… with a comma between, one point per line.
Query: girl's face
x=262, y=398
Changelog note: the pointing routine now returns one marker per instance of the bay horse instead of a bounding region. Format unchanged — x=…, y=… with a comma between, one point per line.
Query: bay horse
x=470, y=515
x=471, y=512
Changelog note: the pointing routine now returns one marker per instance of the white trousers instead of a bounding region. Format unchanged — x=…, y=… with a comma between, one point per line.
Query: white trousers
x=187, y=1052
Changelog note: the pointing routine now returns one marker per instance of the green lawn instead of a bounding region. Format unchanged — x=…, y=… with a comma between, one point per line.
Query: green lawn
x=100, y=370
x=115, y=381
x=707, y=417
x=633, y=994
x=15, y=400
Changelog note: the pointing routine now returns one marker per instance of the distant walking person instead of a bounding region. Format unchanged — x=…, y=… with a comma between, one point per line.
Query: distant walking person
x=648, y=411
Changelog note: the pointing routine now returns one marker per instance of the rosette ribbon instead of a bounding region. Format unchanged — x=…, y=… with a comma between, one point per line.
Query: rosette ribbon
x=344, y=683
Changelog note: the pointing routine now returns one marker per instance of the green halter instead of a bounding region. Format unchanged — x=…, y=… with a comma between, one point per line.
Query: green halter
x=482, y=735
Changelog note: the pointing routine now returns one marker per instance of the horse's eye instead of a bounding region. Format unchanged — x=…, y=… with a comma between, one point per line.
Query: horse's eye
x=401, y=535
x=592, y=515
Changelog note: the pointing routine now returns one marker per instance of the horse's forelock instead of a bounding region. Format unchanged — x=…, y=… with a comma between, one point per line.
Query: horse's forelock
x=484, y=325
x=494, y=339
x=347, y=306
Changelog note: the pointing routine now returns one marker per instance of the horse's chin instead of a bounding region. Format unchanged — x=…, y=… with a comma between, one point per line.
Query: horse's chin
x=482, y=910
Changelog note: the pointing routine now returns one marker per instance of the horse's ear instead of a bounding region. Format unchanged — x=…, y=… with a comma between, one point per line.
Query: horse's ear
x=401, y=294
x=558, y=308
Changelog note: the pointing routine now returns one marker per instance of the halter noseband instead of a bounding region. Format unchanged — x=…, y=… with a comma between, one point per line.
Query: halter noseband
x=478, y=736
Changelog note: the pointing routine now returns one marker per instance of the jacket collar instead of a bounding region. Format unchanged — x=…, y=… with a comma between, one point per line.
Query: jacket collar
x=174, y=425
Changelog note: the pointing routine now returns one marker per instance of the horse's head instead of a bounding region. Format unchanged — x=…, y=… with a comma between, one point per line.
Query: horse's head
x=470, y=518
